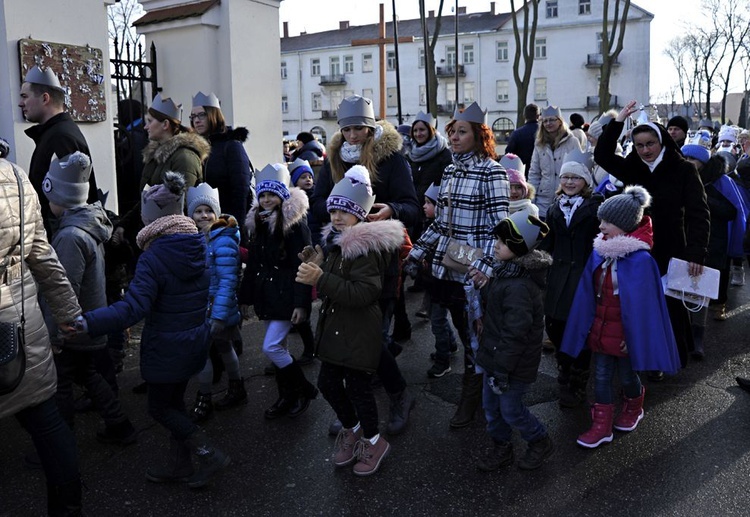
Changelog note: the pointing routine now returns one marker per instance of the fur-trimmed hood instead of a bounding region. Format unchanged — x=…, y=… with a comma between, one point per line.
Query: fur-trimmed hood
x=240, y=134
x=533, y=260
x=389, y=142
x=363, y=238
x=224, y=221
x=641, y=238
x=293, y=210
x=161, y=151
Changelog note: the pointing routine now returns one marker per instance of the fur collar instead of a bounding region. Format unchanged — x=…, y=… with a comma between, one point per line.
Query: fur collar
x=224, y=221
x=240, y=134
x=167, y=225
x=618, y=247
x=535, y=259
x=161, y=151
x=390, y=142
x=363, y=238
x=293, y=210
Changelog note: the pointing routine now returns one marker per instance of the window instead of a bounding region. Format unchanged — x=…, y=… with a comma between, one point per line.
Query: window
x=367, y=92
x=502, y=88
x=598, y=42
x=392, y=97
x=334, y=65
x=540, y=48
x=283, y=69
x=348, y=64
x=315, y=66
x=336, y=97
x=390, y=58
x=420, y=58
x=284, y=104
x=540, y=89
x=502, y=51
x=584, y=6
x=469, y=54
x=450, y=95
x=317, y=102
x=502, y=128
x=348, y=93
x=468, y=93
x=551, y=8
x=367, y=62
x=450, y=55
x=422, y=95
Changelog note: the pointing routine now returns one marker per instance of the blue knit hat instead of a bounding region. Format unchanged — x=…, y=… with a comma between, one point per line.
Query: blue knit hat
x=274, y=178
x=297, y=168
x=696, y=152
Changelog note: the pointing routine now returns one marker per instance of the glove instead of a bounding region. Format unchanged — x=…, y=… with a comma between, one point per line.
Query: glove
x=81, y=325
x=217, y=327
x=499, y=383
x=411, y=268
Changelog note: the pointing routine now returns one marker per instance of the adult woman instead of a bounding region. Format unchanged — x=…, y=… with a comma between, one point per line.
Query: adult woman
x=473, y=199
x=553, y=142
x=376, y=146
x=33, y=400
x=228, y=167
x=679, y=211
x=428, y=155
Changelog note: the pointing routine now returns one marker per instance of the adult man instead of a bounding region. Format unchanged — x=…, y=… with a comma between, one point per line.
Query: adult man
x=677, y=127
x=55, y=133
x=521, y=140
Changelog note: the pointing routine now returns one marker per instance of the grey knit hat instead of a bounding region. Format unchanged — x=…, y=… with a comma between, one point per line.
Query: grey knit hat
x=67, y=181
x=625, y=210
x=167, y=198
x=203, y=194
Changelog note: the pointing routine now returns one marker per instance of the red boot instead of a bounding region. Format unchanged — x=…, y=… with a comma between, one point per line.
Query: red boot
x=601, y=429
x=632, y=412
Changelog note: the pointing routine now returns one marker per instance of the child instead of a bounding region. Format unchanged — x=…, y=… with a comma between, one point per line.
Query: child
x=169, y=290
x=510, y=347
x=619, y=313
x=350, y=282
x=573, y=225
x=521, y=193
x=82, y=230
x=223, y=258
x=277, y=230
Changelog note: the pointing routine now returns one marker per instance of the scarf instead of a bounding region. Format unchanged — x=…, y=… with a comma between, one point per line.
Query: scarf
x=651, y=166
x=569, y=205
x=351, y=153
x=428, y=150
x=328, y=244
x=508, y=269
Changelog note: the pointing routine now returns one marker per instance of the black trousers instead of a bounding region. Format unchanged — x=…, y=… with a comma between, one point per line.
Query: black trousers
x=349, y=392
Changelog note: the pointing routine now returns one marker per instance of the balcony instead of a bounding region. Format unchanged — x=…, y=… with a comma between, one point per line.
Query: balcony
x=596, y=60
x=328, y=114
x=448, y=107
x=450, y=71
x=592, y=101
x=332, y=80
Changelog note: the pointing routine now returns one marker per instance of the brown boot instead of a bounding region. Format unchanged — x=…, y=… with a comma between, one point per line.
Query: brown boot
x=471, y=398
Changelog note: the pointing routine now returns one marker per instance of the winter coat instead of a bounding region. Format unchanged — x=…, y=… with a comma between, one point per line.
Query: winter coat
x=429, y=171
x=223, y=261
x=679, y=211
x=313, y=151
x=643, y=310
x=228, y=169
x=59, y=136
x=349, y=324
x=544, y=170
x=722, y=212
x=43, y=274
x=570, y=247
x=479, y=192
x=511, y=341
x=169, y=290
x=269, y=282
x=521, y=141
x=394, y=185
x=79, y=243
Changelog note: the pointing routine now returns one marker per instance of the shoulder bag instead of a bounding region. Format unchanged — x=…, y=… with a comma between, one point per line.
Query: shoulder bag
x=458, y=255
x=695, y=292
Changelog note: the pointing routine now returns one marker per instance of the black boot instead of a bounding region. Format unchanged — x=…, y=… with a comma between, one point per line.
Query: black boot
x=501, y=455
x=236, y=395
x=401, y=405
x=305, y=391
x=698, y=333
x=122, y=433
x=536, y=453
x=64, y=500
x=211, y=460
x=178, y=466
x=203, y=408
x=471, y=398
x=574, y=394
x=286, y=399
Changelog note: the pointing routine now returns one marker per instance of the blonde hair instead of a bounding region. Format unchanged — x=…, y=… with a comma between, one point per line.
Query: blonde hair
x=543, y=137
x=366, y=159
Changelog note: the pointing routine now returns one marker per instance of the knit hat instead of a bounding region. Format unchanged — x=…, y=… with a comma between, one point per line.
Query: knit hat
x=705, y=123
x=166, y=198
x=597, y=127
x=521, y=232
x=727, y=134
x=67, y=181
x=625, y=210
x=473, y=113
x=356, y=110
x=44, y=77
x=702, y=138
x=203, y=194
x=512, y=161
x=403, y=129
x=353, y=194
x=274, y=178
x=696, y=152
x=576, y=169
x=678, y=121
x=305, y=137
x=297, y=168
x=432, y=193
x=4, y=148
x=576, y=120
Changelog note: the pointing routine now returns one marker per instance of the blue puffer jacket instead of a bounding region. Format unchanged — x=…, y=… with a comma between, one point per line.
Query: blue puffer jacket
x=223, y=261
x=169, y=290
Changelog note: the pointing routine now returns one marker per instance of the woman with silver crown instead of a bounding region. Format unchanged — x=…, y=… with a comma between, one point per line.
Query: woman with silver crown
x=473, y=199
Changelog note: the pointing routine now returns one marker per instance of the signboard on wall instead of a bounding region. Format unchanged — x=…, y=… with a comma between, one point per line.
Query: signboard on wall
x=80, y=71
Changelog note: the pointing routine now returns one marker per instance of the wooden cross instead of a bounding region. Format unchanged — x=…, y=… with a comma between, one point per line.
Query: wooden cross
x=381, y=42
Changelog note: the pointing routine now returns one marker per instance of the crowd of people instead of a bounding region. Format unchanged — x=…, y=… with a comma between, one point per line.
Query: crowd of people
x=567, y=235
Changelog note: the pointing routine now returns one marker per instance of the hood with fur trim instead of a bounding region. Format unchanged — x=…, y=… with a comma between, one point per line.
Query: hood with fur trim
x=293, y=210
x=240, y=134
x=224, y=221
x=362, y=238
x=642, y=238
x=161, y=151
x=389, y=142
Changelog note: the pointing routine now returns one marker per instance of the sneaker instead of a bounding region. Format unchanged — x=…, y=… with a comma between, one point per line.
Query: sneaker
x=537, y=452
x=438, y=369
x=335, y=427
x=501, y=455
x=370, y=456
x=721, y=313
x=343, y=450
x=737, y=275
x=422, y=313
x=453, y=351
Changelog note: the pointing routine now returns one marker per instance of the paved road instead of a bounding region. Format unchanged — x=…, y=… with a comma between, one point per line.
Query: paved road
x=689, y=456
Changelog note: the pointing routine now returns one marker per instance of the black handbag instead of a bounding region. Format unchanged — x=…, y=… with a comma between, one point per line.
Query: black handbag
x=12, y=333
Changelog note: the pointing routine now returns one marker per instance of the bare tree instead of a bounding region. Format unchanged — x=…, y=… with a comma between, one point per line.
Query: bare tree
x=712, y=47
x=524, y=49
x=736, y=29
x=609, y=36
x=124, y=41
x=684, y=54
x=432, y=82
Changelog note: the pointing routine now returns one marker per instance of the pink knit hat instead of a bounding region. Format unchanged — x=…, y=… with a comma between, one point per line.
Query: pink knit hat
x=515, y=176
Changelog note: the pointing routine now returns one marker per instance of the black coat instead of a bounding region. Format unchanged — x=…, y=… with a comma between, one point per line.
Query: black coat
x=521, y=142
x=429, y=171
x=722, y=212
x=228, y=169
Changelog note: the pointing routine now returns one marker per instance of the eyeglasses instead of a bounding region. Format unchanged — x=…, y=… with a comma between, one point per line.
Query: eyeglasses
x=647, y=145
x=200, y=116
x=550, y=120
x=567, y=179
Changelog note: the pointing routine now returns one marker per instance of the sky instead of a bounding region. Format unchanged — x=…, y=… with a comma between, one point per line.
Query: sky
x=670, y=20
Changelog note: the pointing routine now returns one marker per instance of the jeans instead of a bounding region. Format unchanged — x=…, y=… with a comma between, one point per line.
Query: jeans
x=349, y=392
x=507, y=411
x=274, y=342
x=166, y=405
x=604, y=372
x=445, y=338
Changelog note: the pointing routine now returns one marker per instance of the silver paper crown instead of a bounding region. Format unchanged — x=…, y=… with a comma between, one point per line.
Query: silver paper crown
x=432, y=192
x=202, y=192
x=297, y=163
x=356, y=110
x=44, y=77
x=513, y=162
x=278, y=173
x=584, y=158
x=201, y=99
x=471, y=114
x=166, y=106
x=552, y=111
x=356, y=193
x=424, y=117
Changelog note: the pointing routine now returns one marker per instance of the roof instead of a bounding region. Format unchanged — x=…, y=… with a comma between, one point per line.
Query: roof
x=176, y=13
x=467, y=24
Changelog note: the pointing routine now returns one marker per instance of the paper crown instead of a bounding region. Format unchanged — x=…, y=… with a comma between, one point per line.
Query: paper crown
x=203, y=194
x=166, y=106
x=167, y=198
x=584, y=158
x=511, y=161
x=424, y=117
x=297, y=168
x=299, y=162
x=273, y=178
x=471, y=114
x=201, y=99
x=67, y=181
x=44, y=77
x=353, y=194
x=552, y=111
x=432, y=192
x=356, y=110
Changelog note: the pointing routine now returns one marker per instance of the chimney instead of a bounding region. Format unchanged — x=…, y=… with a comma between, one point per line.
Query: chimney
x=343, y=25
x=492, y=8
x=286, y=29
x=462, y=10
x=430, y=14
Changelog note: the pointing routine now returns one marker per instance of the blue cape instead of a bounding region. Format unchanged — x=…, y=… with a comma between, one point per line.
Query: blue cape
x=730, y=190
